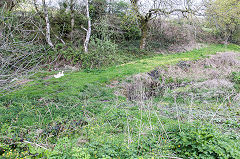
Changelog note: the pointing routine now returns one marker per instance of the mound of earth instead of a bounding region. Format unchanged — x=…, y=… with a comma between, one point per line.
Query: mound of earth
x=210, y=73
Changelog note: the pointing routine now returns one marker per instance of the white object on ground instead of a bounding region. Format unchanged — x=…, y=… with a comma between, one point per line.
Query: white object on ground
x=15, y=79
x=60, y=74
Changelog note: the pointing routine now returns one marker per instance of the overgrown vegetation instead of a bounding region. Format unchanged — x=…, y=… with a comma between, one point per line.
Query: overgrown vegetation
x=150, y=85
x=91, y=120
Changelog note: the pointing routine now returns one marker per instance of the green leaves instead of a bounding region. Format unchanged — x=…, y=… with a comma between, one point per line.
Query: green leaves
x=225, y=16
x=204, y=141
x=235, y=77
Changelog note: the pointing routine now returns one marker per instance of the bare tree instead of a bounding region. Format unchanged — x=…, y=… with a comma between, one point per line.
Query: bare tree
x=158, y=8
x=86, y=42
x=48, y=27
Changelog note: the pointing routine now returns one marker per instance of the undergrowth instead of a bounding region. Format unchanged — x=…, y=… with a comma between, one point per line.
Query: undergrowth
x=77, y=116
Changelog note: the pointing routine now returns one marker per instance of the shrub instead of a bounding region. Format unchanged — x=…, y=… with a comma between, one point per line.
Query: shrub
x=101, y=53
x=61, y=23
x=204, y=141
x=235, y=77
x=65, y=54
x=130, y=27
x=97, y=8
x=236, y=36
x=164, y=34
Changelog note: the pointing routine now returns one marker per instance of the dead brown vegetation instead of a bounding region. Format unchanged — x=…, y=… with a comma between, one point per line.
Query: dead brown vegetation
x=210, y=73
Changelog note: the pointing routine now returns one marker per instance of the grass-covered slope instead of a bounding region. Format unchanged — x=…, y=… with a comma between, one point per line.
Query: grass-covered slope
x=75, y=82
x=77, y=116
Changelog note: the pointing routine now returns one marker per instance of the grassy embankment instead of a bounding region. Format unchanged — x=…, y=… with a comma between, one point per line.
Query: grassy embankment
x=78, y=110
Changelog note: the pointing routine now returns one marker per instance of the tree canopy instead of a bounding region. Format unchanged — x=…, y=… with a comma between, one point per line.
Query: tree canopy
x=225, y=15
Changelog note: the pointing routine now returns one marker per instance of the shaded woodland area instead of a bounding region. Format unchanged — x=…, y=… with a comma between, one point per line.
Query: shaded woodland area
x=119, y=79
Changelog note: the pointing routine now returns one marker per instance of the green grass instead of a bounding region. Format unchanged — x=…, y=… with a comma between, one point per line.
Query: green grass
x=82, y=96
x=71, y=88
x=73, y=83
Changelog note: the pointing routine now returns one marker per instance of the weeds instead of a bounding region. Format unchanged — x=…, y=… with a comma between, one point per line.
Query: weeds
x=77, y=117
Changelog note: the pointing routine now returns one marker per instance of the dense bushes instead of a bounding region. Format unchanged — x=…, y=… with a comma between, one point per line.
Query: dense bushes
x=61, y=25
x=97, y=8
x=204, y=141
x=103, y=48
x=227, y=24
x=186, y=140
x=130, y=27
x=236, y=36
x=165, y=34
x=102, y=53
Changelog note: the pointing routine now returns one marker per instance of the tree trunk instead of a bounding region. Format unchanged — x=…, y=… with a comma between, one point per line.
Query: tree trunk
x=226, y=39
x=88, y=30
x=143, y=22
x=227, y=35
x=48, y=37
x=144, y=30
x=72, y=19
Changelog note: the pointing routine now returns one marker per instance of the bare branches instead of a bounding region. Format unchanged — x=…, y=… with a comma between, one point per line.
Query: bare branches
x=165, y=12
x=19, y=56
x=143, y=20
